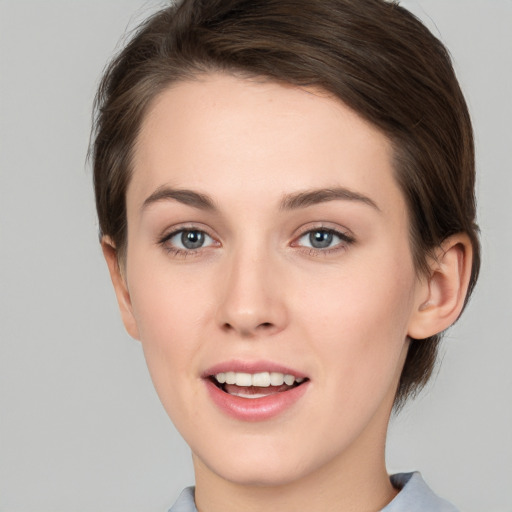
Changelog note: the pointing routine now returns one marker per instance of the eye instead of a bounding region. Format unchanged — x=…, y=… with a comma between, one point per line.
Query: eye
x=323, y=239
x=188, y=240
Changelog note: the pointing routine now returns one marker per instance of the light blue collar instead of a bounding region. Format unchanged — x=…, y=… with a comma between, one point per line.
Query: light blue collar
x=414, y=496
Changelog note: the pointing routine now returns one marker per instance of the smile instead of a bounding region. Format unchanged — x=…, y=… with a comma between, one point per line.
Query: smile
x=256, y=395
x=255, y=385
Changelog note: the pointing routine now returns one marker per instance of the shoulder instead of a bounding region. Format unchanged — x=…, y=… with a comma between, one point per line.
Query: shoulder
x=415, y=496
x=185, y=501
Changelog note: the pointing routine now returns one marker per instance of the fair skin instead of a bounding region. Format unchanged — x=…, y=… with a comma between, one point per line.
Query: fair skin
x=254, y=266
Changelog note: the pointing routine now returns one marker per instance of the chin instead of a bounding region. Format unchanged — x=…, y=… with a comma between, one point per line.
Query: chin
x=265, y=474
x=249, y=461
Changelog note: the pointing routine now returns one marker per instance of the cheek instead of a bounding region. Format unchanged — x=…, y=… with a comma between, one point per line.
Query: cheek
x=370, y=293
x=166, y=299
x=359, y=321
x=170, y=312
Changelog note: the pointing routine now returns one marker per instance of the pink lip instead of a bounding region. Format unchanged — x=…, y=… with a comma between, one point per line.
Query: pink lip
x=253, y=409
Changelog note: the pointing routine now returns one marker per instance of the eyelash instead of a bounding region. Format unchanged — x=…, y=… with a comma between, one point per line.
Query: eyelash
x=183, y=252
x=345, y=241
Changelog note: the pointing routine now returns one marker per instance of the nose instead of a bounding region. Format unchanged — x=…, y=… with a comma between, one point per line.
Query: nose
x=252, y=297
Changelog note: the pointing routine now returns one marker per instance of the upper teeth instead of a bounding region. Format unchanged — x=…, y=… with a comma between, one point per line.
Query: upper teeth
x=263, y=379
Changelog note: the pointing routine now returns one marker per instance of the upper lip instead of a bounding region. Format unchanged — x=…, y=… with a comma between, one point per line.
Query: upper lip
x=237, y=365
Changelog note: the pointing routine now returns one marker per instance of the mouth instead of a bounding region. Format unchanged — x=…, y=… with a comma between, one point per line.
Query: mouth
x=255, y=385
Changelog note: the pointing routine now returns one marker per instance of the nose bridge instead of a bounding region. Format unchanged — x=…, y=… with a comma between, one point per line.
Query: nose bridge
x=251, y=301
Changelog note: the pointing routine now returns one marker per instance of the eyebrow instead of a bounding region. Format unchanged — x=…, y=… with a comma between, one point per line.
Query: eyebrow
x=184, y=196
x=289, y=202
x=322, y=195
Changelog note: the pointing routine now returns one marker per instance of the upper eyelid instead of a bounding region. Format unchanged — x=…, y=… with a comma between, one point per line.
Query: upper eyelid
x=343, y=232
x=174, y=230
x=343, y=240
x=172, y=234
x=165, y=242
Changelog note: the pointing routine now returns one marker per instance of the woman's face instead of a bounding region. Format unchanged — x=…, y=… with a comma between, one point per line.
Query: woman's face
x=267, y=238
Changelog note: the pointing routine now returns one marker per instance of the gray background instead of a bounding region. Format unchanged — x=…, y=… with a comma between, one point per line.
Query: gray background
x=80, y=426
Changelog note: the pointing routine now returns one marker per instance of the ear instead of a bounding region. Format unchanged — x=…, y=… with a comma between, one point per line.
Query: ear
x=441, y=295
x=120, y=287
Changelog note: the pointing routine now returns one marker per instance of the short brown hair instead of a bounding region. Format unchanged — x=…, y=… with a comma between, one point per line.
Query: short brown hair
x=373, y=55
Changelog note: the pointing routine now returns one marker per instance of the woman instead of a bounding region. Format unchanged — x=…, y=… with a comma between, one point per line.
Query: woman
x=285, y=193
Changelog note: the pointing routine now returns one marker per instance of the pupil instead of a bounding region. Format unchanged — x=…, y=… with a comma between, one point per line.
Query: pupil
x=320, y=239
x=192, y=239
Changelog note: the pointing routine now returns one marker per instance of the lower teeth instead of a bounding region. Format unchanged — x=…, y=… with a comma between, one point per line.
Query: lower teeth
x=253, y=391
x=250, y=396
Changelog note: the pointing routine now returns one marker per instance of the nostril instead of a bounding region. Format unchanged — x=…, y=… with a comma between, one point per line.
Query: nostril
x=248, y=331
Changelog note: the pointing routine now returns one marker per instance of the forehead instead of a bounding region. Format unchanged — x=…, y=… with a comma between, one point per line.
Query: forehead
x=221, y=131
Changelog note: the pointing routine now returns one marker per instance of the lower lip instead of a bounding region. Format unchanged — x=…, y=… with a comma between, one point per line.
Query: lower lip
x=255, y=409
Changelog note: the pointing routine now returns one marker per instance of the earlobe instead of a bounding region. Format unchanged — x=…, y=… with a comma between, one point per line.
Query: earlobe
x=442, y=294
x=120, y=287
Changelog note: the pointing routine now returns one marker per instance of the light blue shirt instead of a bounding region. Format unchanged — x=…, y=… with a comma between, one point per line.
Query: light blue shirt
x=414, y=496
